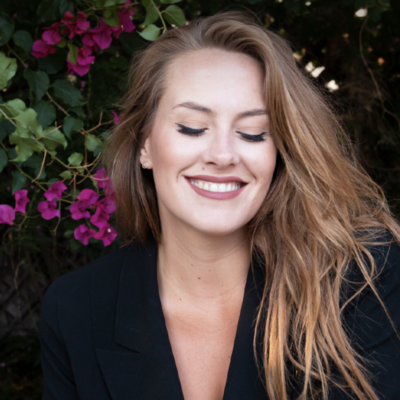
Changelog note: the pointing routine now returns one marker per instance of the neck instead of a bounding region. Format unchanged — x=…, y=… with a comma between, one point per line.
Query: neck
x=202, y=267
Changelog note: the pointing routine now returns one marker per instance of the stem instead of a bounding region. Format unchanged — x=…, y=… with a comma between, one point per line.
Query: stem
x=16, y=55
x=6, y=116
x=53, y=101
x=162, y=19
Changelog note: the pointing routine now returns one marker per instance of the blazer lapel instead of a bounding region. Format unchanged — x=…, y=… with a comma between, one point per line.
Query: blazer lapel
x=243, y=381
x=146, y=370
x=139, y=364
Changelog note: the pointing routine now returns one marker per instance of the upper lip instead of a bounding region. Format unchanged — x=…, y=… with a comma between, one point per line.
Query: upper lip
x=212, y=178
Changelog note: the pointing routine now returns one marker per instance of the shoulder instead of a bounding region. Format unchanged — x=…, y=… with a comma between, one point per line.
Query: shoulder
x=365, y=315
x=89, y=285
x=72, y=282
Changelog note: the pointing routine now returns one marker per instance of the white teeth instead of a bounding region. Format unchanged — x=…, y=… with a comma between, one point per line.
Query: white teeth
x=215, y=187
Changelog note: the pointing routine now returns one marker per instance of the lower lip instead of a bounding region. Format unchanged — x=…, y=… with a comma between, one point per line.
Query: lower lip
x=216, y=195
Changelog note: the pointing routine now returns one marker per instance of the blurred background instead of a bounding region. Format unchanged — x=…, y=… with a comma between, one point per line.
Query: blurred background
x=60, y=87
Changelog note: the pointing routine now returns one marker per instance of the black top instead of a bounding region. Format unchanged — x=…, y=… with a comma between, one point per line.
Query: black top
x=103, y=332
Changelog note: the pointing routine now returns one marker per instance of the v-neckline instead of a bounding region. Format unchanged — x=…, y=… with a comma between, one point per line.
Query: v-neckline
x=242, y=353
x=140, y=327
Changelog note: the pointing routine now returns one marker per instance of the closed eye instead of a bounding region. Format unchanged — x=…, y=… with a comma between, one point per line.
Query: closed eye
x=197, y=132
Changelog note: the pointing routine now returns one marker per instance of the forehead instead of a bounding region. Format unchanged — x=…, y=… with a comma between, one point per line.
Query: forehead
x=214, y=77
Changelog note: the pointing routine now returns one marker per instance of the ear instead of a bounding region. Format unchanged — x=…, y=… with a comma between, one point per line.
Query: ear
x=145, y=155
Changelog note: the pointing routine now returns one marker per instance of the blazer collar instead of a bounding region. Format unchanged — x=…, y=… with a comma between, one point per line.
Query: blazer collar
x=140, y=327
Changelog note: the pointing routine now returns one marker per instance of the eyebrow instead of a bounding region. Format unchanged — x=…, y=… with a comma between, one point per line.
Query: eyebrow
x=197, y=107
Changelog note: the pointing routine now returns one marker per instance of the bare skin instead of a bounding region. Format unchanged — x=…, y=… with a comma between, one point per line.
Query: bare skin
x=204, y=256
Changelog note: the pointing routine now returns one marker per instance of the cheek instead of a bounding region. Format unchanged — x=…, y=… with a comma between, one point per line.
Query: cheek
x=262, y=164
x=172, y=153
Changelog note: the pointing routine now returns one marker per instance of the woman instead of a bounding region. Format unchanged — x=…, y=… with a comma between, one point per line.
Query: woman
x=262, y=262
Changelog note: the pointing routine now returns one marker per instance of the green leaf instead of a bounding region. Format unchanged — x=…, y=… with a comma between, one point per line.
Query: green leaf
x=78, y=111
x=66, y=174
x=18, y=181
x=53, y=139
x=38, y=82
x=46, y=113
x=24, y=147
x=27, y=124
x=151, y=33
x=174, y=15
x=73, y=53
x=152, y=14
x=23, y=39
x=69, y=94
x=75, y=159
x=62, y=43
x=49, y=10
x=66, y=5
x=53, y=63
x=33, y=162
x=8, y=68
x=170, y=1
x=3, y=159
x=12, y=153
x=6, y=28
x=14, y=107
x=112, y=19
x=146, y=3
x=71, y=125
x=6, y=128
x=92, y=142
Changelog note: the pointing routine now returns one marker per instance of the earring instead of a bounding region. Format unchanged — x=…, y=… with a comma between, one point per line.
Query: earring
x=145, y=165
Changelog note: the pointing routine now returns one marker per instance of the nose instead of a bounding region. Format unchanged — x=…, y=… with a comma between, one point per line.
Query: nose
x=220, y=150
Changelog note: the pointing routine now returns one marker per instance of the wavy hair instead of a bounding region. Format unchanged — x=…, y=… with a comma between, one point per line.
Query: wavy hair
x=322, y=211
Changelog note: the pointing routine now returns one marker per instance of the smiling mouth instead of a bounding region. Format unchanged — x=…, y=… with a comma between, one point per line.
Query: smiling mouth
x=216, y=187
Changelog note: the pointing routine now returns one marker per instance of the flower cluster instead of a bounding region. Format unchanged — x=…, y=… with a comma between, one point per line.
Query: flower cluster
x=99, y=37
x=88, y=200
x=7, y=213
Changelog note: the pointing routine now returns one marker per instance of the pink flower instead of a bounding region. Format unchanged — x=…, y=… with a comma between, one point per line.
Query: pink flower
x=88, y=41
x=101, y=178
x=83, y=234
x=41, y=49
x=88, y=196
x=124, y=18
x=78, y=210
x=107, y=204
x=55, y=191
x=78, y=26
x=83, y=61
x=21, y=200
x=100, y=218
x=101, y=35
x=107, y=234
x=7, y=214
x=51, y=36
x=116, y=118
x=48, y=209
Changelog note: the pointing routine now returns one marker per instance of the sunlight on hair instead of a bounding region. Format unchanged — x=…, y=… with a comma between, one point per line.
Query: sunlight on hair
x=332, y=86
x=362, y=12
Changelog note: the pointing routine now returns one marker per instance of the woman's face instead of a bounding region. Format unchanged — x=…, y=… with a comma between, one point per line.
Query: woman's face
x=210, y=149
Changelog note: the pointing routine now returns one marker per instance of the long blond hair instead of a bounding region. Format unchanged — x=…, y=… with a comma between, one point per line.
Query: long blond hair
x=321, y=213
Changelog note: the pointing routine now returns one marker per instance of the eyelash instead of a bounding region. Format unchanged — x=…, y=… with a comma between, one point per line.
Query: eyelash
x=197, y=132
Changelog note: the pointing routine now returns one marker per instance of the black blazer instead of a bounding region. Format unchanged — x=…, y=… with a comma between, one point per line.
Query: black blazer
x=103, y=333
